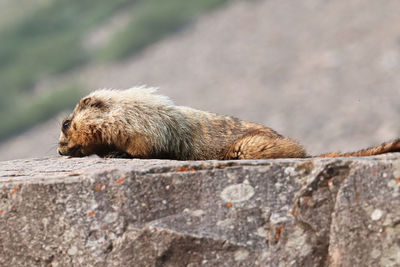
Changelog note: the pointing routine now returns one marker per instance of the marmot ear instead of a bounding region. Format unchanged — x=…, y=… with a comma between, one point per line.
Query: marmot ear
x=86, y=101
x=93, y=102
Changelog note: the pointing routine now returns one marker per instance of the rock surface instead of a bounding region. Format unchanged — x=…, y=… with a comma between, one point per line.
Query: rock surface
x=115, y=212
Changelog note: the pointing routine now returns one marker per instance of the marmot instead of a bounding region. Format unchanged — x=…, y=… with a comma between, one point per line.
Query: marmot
x=139, y=123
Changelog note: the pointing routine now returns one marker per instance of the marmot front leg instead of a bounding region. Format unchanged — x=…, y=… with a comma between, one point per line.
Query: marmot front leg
x=118, y=154
x=260, y=145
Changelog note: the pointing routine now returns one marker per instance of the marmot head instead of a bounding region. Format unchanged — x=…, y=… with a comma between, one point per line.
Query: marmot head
x=81, y=132
x=109, y=121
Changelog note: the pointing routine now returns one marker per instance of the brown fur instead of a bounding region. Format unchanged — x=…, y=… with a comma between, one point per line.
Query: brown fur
x=388, y=147
x=138, y=123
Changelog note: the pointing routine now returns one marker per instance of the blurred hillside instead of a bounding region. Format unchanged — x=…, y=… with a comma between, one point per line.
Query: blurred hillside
x=325, y=73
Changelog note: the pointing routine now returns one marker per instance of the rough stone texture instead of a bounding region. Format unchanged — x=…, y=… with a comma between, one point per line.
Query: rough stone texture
x=115, y=212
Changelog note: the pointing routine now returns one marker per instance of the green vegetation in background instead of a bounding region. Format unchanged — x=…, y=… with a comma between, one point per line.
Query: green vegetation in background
x=11, y=10
x=151, y=21
x=49, y=41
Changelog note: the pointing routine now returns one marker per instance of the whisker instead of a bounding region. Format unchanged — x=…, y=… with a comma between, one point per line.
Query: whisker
x=52, y=148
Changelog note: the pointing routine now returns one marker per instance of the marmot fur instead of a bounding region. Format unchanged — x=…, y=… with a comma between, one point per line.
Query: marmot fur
x=139, y=123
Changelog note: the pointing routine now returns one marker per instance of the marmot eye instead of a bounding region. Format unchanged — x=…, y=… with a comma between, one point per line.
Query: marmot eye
x=66, y=124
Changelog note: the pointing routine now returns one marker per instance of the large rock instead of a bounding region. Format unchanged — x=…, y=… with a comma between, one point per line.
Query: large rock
x=115, y=212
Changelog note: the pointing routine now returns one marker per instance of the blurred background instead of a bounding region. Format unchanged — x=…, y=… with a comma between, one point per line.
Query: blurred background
x=325, y=73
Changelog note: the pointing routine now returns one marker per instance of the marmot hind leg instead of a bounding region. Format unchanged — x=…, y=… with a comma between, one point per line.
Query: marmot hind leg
x=261, y=145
